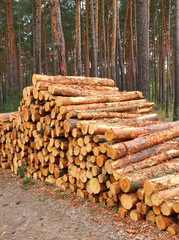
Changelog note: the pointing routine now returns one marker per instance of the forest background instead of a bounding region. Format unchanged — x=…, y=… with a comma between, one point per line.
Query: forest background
x=100, y=39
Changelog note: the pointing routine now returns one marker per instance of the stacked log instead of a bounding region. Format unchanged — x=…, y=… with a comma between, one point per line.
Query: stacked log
x=47, y=160
x=14, y=148
x=149, y=160
x=83, y=134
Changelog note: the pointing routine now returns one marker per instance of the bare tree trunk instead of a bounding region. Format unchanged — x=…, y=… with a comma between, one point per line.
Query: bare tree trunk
x=20, y=68
x=78, y=37
x=136, y=49
x=34, y=42
x=38, y=37
x=104, y=39
x=132, y=47
x=59, y=37
x=94, y=72
x=87, y=38
x=107, y=42
x=45, y=41
x=100, y=43
x=176, y=105
x=120, y=49
x=168, y=63
x=113, y=50
x=96, y=26
x=143, y=57
x=12, y=54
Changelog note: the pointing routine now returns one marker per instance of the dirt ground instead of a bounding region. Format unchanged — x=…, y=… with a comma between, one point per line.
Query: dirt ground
x=43, y=212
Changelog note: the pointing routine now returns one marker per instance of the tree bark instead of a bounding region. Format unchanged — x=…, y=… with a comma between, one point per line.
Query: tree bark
x=94, y=50
x=45, y=41
x=143, y=55
x=38, y=37
x=59, y=37
x=113, y=50
x=176, y=104
x=87, y=38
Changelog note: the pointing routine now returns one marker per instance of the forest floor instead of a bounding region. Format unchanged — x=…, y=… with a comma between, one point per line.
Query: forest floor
x=43, y=212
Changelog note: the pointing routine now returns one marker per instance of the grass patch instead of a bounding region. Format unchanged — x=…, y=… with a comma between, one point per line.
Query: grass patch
x=101, y=204
x=114, y=207
x=27, y=182
x=43, y=200
x=93, y=212
x=63, y=195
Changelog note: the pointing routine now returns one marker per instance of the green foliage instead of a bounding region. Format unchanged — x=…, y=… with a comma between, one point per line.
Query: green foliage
x=27, y=182
x=43, y=200
x=114, y=207
x=12, y=100
x=93, y=212
x=22, y=169
x=101, y=204
x=63, y=195
x=20, y=172
x=41, y=131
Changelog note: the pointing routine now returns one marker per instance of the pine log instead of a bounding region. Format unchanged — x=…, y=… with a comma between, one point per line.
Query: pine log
x=176, y=206
x=124, y=96
x=150, y=216
x=129, y=185
x=128, y=201
x=78, y=91
x=135, y=215
x=132, y=181
x=161, y=196
x=130, y=133
x=98, y=115
x=149, y=162
x=121, y=149
x=60, y=89
x=161, y=183
x=173, y=228
x=167, y=208
x=72, y=80
x=142, y=208
x=141, y=194
x=66, y=109
x=122, y=212
x=143, y=154
x=163, y=222
x=97, y=187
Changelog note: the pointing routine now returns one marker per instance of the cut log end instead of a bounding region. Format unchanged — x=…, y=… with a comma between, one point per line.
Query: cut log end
x=148, y=187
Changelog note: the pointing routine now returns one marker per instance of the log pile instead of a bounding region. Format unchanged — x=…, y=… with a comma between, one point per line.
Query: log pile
x=14, y=145
x=83, y=134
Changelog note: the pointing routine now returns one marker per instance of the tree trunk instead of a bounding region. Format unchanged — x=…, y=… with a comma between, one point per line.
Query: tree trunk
x=20, y=69
x=104, y=38
x=59, y=37
x=113, y=50
x=94, y=50
x=108, y=42
x=12, y=55
x=120, y=49
x=87, y=38
x=143, y=55
x=78, y=36
x=45, y=41
x=176, y=105
x=38, y=37
x=132, y=47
